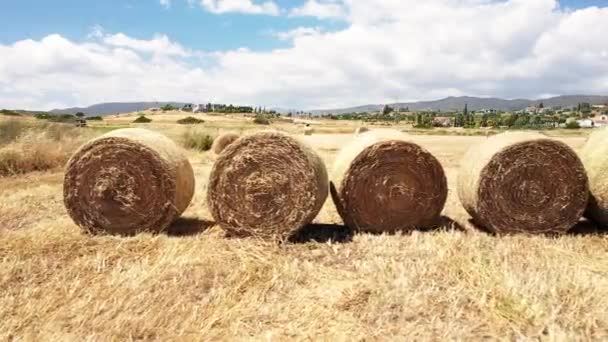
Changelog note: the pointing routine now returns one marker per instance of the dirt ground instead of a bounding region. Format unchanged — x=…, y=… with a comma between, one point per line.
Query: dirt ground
x=194, y=284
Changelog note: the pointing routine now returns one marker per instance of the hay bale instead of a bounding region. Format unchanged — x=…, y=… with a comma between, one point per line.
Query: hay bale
x=308, y=131
x=594, y=155
x=127, y=181
x=523, y=182
x=361, y=130
x=221, y=142
x=383, y=183
x=266, y=185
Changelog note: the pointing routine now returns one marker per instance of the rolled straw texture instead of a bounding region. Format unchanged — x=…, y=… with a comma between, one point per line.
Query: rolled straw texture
x=266, y=185
x=383, y=183
x=523, y=182
x=127, y=181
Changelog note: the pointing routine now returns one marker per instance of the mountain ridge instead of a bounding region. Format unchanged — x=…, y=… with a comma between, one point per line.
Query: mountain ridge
x=474, y=103
x=446, y=104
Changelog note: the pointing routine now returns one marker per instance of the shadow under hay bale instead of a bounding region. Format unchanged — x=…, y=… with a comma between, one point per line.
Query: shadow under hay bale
x=266, y=185
x=523, y=183
x=382, y=183
x=323, y=233
x=587, y=227
x=444, y=223
x=188, y=227
x=127, y=181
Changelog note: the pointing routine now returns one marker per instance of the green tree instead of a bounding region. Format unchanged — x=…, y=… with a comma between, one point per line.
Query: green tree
x=387, y=110
x=522, y=121
x=484, y=121
x=80, y=114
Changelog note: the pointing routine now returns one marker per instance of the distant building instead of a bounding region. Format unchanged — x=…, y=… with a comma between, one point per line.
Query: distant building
x=199, y=108
x=586, y=123
x=442, y=121
x=600, y=121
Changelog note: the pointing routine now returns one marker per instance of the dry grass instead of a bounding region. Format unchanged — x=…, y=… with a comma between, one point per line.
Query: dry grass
x=195, y=284
x=197, y=139
x=40, y=147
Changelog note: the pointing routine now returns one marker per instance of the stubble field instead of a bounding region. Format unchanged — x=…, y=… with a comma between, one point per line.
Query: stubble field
x=193, y=283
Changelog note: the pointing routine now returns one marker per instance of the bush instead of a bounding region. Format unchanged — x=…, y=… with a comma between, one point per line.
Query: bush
x=10, y=130
x=43, y=116
x=197, y=140
x=94, y=118
x=260, y=120
x=39, y=149
x=190, y=121
x=573, y=125
x=59, y=132
x=9, y=112
x=142, y=119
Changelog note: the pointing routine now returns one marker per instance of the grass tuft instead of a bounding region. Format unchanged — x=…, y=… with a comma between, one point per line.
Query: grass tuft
x=197, y=140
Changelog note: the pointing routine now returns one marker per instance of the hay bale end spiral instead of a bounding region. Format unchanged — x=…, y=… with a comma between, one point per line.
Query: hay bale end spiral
x=266, y=185
x=383, y=183
x=522, y=182
x=127, y=181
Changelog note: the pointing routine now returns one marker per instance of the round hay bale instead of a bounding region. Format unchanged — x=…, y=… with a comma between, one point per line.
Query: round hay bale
x=266, y=185
x=127, y=181
x=523, y=182
x=594, y=155
x=308, y=131
x=361, y=130
x=221, y=142
x=383, y=183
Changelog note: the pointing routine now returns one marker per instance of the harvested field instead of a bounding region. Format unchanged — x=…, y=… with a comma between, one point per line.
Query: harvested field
x=194, y=283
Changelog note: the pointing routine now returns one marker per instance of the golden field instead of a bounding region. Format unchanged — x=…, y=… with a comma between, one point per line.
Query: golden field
x=193, y=283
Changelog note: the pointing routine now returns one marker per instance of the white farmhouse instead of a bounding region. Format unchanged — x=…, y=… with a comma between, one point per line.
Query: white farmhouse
x=586, y=123
x=199, y=108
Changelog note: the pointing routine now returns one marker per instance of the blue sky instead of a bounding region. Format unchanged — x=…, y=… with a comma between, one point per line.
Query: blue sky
x=188, y=24
x=302, y=54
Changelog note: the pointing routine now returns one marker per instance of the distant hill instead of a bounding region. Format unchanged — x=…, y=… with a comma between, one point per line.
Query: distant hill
x=475, y=103
x=444, y=105
x=115, y=107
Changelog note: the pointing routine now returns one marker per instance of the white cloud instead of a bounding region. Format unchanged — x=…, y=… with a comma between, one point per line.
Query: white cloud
x=165, y=3
x=321, y=10
x=159, y=45
x=390, y=50
x=297, y=33
x=241, y=6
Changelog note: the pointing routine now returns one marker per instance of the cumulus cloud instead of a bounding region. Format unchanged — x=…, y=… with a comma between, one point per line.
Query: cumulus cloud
x=165, y=3
x=240, y=6
x=297, y=33
x=321, y=10
x=390, y=50
x=159, y=45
